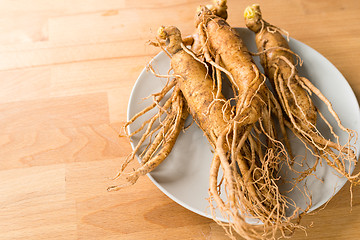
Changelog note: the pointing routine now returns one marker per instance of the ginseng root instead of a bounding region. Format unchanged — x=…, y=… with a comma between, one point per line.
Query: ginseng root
x=252, y=122
x=176, y=113
x=293, y=92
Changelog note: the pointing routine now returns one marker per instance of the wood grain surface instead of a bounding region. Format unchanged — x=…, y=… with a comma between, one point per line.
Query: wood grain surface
x=67, y=68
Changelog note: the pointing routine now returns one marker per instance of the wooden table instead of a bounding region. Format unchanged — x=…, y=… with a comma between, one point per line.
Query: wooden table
x=67, y=68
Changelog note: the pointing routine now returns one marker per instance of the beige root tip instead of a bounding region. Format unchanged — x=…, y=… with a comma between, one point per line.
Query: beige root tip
x=161, y=32
x=252, y=11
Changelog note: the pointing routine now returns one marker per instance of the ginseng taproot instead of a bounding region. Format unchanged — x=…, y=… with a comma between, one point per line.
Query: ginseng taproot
x=294, y=94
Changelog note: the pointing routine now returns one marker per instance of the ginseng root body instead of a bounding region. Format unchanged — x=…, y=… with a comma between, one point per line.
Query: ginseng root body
x=193, y=92
x=196, y=86
x=294, y=94
x=255, y=107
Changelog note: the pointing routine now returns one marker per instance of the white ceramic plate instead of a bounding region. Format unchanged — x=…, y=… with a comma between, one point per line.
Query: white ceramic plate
x=184, y=175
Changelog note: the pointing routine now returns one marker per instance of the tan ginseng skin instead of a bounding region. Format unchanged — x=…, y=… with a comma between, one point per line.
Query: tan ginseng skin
x=197, y=88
